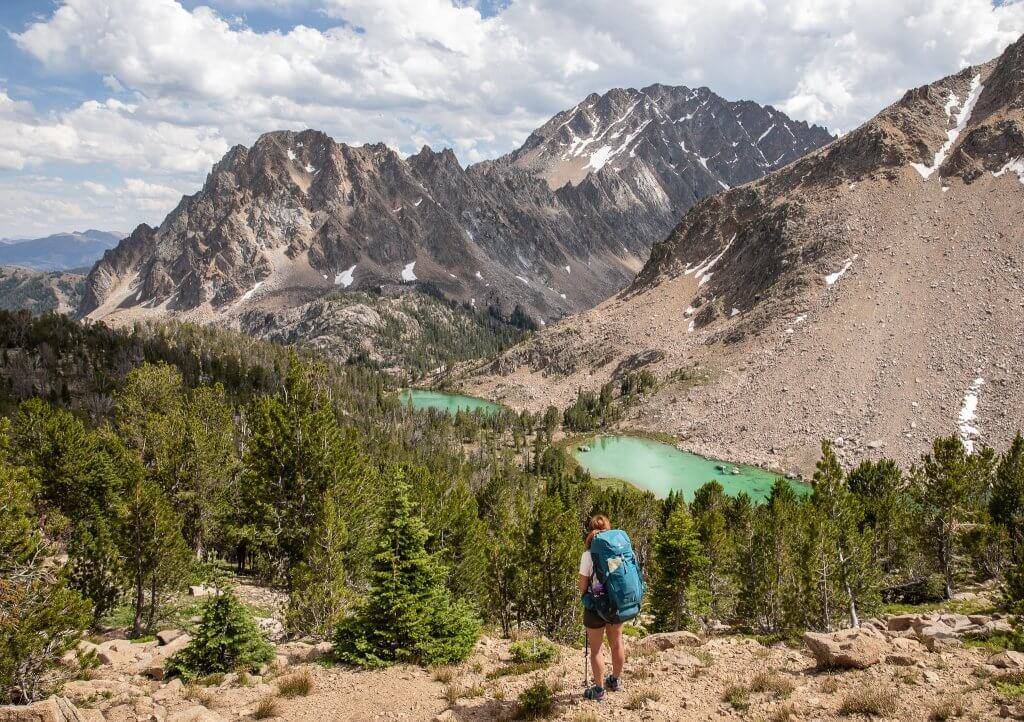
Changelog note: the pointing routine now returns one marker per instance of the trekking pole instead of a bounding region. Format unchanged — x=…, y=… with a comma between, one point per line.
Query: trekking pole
x=586, y=649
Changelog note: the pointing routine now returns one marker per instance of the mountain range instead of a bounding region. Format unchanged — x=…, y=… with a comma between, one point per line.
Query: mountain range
x=871, y=292
x=553, y=227
x=58, y=252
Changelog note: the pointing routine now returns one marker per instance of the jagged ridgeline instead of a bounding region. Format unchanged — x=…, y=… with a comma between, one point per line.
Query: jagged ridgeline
x=554, y=227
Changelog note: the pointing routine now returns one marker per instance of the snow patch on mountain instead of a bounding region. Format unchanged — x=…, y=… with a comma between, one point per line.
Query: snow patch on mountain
x=1016, y=165
x=966, y=423
x=962, y=118
x=344, y=279
x=248, y=294
x=832, y=278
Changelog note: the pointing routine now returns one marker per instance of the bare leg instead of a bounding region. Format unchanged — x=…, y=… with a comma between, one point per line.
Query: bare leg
x=596, y=638
x=618, y=649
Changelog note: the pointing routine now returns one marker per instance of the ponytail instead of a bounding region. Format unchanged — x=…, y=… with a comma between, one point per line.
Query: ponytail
x=598, y=523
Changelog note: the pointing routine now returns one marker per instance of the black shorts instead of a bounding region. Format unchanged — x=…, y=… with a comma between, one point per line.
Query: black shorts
x=592, y=620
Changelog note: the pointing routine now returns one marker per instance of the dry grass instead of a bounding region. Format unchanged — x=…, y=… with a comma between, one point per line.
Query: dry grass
x=295, y=685
x=200, y=695
x=829, y=685
x=445, y=675
x=946, y=709
x=265, y=708
x=785, y=713
x=639, y=697
x=737, y=696
x=773, y=683
x=869, y=701
x=583, y=716
x=454, y=692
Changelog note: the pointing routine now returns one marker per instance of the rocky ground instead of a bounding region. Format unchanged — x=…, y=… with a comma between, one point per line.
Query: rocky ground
x=908, y=667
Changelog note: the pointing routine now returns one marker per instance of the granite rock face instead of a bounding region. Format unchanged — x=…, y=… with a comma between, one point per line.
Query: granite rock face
x=556, y=226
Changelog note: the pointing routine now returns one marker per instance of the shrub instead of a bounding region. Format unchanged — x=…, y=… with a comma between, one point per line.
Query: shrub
x=533, y=650
x=265, y=708
x=772, y=682
x=737, y=696
x=537, y=701
x=227, y=640
x=637, y=699
x=1010, y=684
x=869, y=701
x=295, y=685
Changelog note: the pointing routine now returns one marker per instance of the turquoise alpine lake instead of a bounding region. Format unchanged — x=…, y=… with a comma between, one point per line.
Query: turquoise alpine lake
x=661, y=468
x=423, y=399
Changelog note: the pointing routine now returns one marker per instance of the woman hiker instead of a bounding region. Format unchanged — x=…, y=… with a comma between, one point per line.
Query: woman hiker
x=596, y=626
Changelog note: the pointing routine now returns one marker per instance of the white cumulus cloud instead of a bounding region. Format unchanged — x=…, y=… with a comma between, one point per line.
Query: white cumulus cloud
x=191, y=82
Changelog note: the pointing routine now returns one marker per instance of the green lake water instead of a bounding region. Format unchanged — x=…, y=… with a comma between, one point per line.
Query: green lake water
x=423, y=399
x=661, y=468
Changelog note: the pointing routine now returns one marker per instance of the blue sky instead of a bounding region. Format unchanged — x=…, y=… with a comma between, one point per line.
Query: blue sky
x=110, y=110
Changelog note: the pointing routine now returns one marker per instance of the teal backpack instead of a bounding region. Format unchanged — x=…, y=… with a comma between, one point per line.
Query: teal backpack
x=621, y=589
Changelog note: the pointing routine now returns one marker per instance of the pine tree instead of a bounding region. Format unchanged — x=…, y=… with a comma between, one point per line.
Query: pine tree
x=679, y=593
x=709, y=513
x=226, y=640
x=890, y=514
x=156, y=556
x=208, y=464
x=293, y=456
x=78, y=495
x=551, y=551
x=1006, y=507
x=408, y=615
x=457, y=534
x=845, y=576
x=773, y=596
x=1006, y=504
x=320, y=591
x=949, y=484
x=41, y=618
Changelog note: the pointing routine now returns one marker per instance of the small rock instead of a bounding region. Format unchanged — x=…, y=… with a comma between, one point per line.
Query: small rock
x=668, y=640
x=166, y=636
x=271, y=628
x=856, y=648
x=901, y=622
x=1007, y=660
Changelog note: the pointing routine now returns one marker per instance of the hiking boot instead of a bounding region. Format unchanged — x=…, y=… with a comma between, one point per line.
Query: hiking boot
x=595, y=693
x=611, y=683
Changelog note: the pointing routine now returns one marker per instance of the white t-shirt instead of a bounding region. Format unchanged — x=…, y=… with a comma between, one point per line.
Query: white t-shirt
x=586, y=565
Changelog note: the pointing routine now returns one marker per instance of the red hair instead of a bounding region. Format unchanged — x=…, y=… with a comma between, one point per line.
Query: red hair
x=598, y=523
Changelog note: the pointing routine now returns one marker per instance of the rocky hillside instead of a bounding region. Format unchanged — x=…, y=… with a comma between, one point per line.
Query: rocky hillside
x=554, y=227
x=39, y=291
x=906, y=666
x=869, y=292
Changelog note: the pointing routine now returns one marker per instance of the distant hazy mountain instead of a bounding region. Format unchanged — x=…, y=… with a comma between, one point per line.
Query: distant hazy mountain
x=58, y=252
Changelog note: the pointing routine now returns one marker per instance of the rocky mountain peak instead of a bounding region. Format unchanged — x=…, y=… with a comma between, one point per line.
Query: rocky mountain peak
x=866, y=291
x=298, y=214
